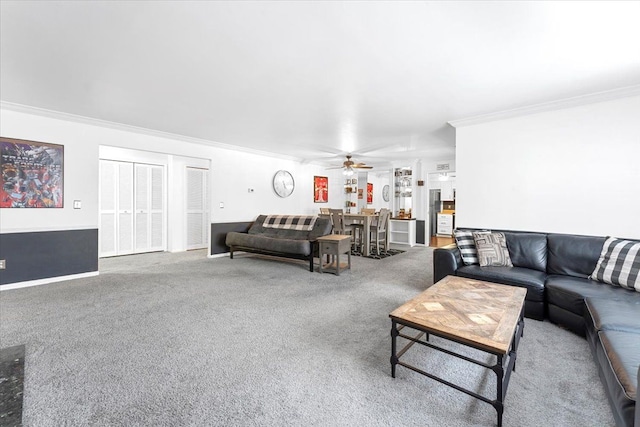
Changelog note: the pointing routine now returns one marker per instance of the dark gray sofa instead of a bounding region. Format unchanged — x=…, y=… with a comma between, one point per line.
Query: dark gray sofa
x=287, y=243
x=554, y=268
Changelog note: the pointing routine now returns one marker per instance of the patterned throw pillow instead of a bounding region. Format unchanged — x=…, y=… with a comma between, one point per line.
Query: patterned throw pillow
x=467, y=246
x=492, y=250
x=619, y=264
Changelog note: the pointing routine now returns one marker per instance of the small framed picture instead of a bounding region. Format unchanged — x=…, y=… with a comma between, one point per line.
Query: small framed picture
x=320, y=189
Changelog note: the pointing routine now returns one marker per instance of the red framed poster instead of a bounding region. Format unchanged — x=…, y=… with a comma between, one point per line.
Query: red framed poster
x=369, y=193
x=320, y=189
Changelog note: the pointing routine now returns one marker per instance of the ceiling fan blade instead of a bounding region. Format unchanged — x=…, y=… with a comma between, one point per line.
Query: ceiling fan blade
x=362, y=167
x=335, y=167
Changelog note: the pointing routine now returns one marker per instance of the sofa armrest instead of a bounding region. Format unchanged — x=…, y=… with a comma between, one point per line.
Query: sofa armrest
x=446, y=261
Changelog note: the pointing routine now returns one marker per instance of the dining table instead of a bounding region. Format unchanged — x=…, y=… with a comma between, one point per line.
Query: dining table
x=366, y=220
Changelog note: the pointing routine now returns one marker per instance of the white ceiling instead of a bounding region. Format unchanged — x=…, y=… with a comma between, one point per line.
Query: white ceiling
x=313, y=79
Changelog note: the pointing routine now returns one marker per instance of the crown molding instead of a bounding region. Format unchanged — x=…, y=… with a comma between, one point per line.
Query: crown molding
x=27, y=109
x=549, y=106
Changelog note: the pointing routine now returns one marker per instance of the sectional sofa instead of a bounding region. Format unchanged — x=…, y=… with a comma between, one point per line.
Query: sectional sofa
x=555, y=270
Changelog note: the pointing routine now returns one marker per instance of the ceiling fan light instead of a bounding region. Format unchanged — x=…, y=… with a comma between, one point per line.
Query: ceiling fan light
x=348, y=171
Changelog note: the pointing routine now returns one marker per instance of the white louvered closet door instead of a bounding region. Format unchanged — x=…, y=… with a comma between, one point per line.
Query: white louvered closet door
x=149, y=208
x=197, y=208
x=108, y=207
x=125, y=208
x=116, y=208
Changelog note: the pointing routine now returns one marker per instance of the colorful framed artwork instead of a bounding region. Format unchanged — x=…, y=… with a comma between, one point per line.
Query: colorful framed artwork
x=320, y=189
x=31, y=174
x=369, y=193
x=360, y=194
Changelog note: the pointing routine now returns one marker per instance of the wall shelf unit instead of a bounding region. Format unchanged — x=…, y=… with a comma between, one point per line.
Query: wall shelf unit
x=403, y=192
x=402, y=231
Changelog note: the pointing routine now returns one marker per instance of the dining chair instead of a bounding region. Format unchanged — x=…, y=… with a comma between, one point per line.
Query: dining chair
x=339, y=225
x=378, y=230
x=324, y=211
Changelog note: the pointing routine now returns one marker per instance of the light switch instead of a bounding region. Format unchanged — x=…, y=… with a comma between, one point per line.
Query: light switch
x=221, y=205
x=77, y=204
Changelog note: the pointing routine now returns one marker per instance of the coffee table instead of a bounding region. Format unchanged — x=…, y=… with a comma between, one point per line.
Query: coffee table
x=482, y=315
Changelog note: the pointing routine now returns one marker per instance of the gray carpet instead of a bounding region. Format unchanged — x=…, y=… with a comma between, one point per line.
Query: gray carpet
x=179, y=339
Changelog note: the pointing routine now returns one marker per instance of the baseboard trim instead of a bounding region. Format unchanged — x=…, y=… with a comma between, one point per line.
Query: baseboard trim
x=226, y=254
x=46, y=281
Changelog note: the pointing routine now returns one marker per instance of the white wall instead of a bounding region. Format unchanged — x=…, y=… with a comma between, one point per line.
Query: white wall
x=232, y=173
x=575, y=170
x=80, y=175
x=379, y=179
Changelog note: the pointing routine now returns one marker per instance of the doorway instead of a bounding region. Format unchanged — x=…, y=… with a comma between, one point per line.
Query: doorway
x=441, y=208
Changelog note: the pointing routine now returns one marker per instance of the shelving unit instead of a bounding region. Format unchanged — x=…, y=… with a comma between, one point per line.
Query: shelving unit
x=402, y=231
x=403, y=191
x=351, y=193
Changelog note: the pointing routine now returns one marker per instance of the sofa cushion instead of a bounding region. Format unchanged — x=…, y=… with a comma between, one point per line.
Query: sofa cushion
x=571, y=255
x=528, y=250
x=618, y=356
x=569, y=292
x=492, y=249
x=532, y=280
x=619, y=264
x=265, y=243
x=614, y=315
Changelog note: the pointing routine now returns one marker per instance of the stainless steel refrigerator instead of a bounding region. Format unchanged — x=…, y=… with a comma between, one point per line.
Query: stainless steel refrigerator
x=435, y=205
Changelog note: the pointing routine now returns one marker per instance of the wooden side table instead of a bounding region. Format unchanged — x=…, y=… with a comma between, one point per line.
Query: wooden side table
x=334, y=245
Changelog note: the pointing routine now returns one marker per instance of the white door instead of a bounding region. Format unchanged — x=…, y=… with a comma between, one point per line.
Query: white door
x=107, y=228
x=125, y=208
x=197, y=208
x=116, y=208
x=149, y=208
x=132, y=217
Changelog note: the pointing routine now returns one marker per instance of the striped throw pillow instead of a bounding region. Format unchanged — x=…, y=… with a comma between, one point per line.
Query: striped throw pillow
x=619, y=264
x=467, y=246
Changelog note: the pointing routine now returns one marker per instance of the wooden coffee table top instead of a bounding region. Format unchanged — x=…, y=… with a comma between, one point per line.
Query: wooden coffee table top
x=481, y=314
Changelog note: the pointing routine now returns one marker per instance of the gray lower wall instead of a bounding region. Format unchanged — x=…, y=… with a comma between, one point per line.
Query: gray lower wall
x=219, y=234
x=420, y=230
x=47, y=254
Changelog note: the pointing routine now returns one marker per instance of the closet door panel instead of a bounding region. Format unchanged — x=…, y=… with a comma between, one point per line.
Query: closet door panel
x=125, y=208
x=142, y=208
x=197, y=208
x=156, y=203
x=108, y=193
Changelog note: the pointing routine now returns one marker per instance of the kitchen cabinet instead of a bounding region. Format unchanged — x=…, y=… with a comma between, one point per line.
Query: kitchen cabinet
x=445, y=225
x=446, y=191
x=402, y=231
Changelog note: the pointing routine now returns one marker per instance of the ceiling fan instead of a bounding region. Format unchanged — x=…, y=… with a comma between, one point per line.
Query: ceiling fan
x=349, y=166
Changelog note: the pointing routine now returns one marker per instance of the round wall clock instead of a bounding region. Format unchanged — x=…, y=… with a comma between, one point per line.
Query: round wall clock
x=385, y=193
x=283, y=183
